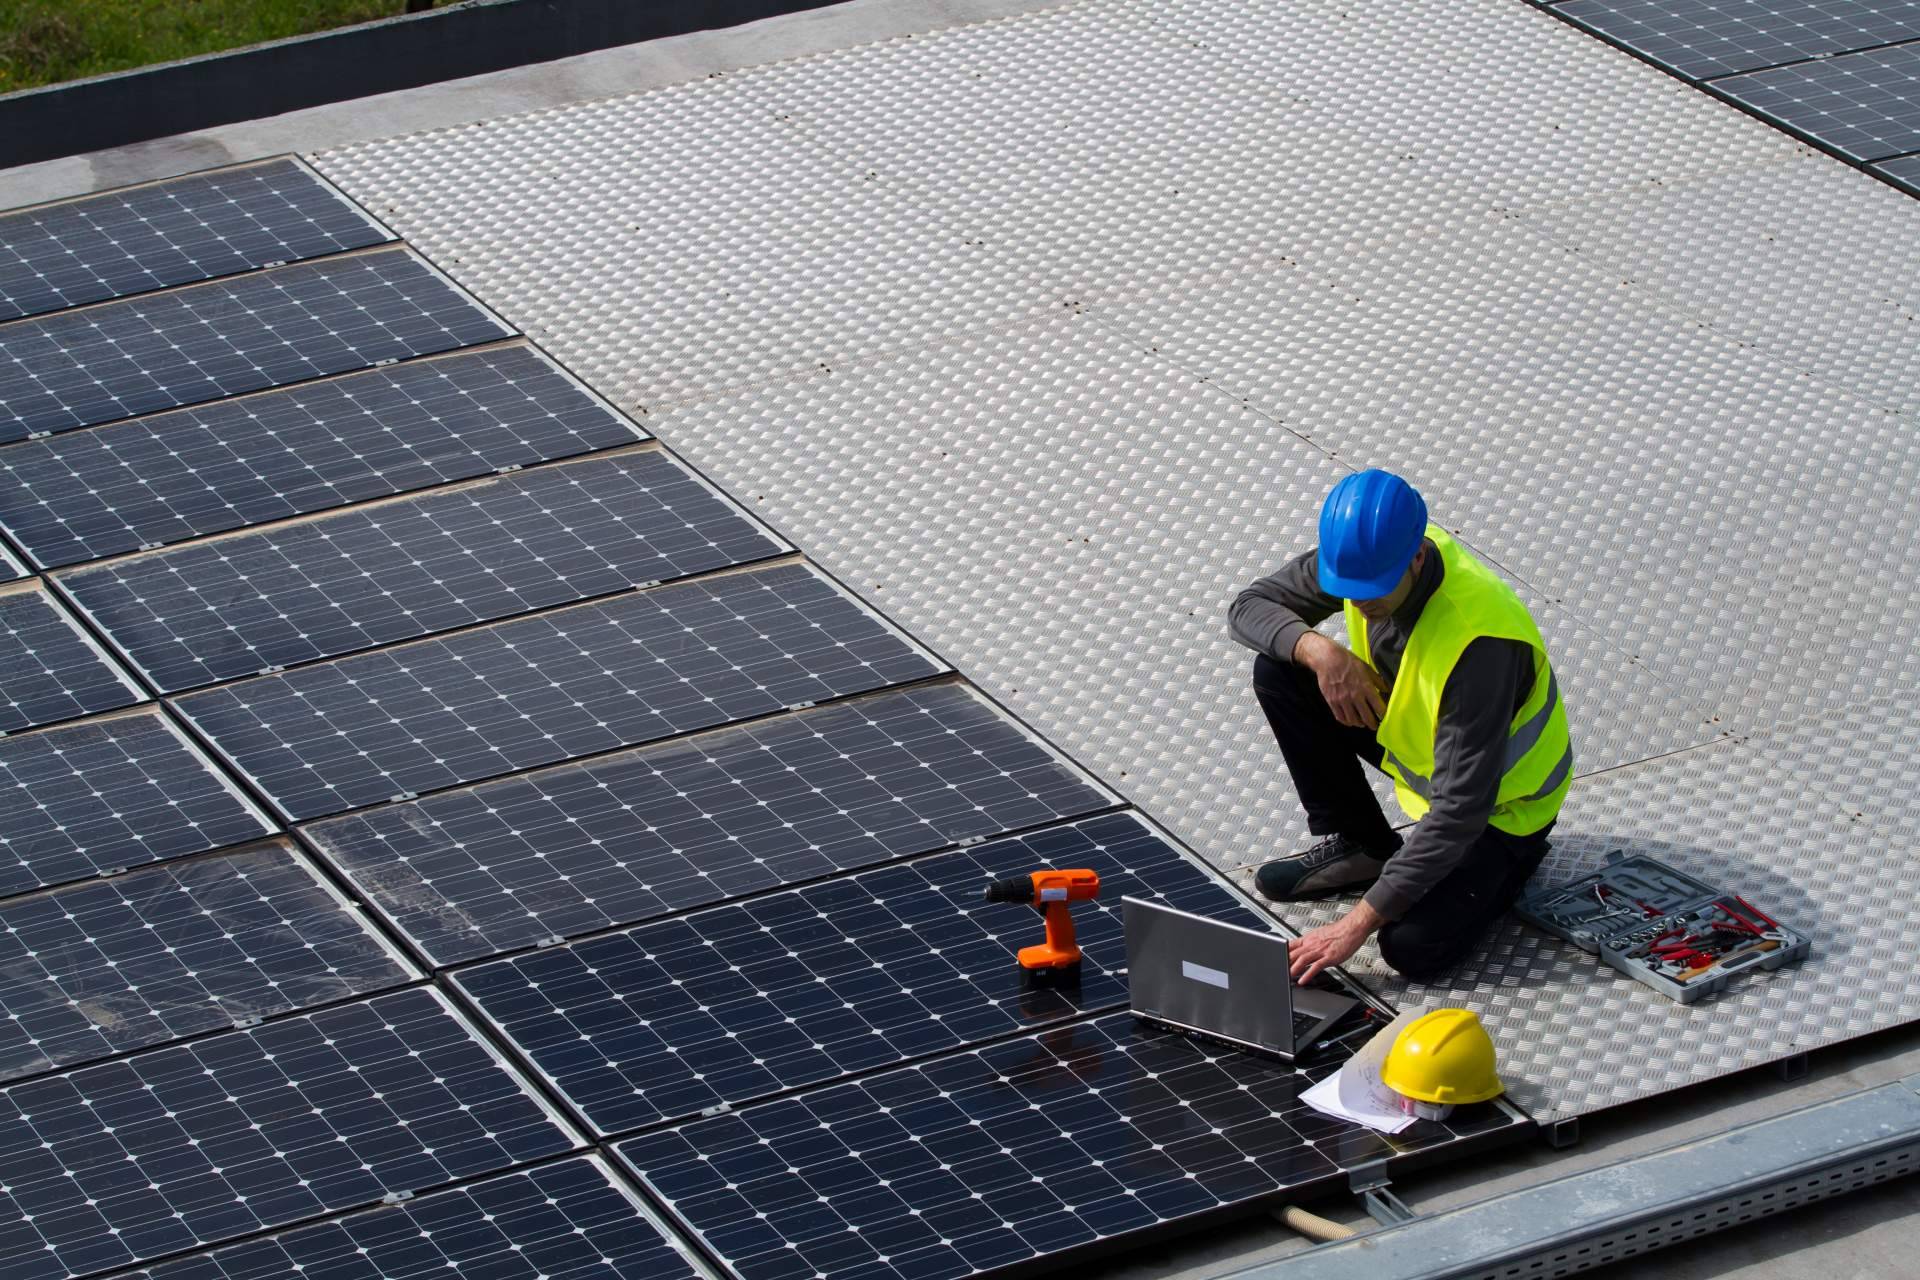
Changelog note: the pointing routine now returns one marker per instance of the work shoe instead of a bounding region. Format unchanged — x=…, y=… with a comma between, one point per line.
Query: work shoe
x=1335, y=863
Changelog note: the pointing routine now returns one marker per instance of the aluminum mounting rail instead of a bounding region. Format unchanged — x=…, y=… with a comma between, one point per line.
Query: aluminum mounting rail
x=1601, y=1216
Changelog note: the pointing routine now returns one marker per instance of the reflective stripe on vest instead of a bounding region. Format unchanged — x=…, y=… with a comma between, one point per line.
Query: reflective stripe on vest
x=1423, y=785
x=1470, y=603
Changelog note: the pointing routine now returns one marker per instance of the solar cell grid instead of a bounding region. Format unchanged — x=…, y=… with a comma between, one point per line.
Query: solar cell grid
x=9, y=567
x=51, y=669
x=582, y=847
x=571, y=1220
x=788, y=990
x=1067, y=1138
x=186, y=346
x=169, y=233
x=578, y=681
x=1865, y=105
x=198, y=1143
x=120, y=791
x=151, y=481
x=389, y=571
x=1706, y=38
x=106, y=966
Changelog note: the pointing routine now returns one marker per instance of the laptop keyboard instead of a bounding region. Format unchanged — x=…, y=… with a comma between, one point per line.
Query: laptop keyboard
x=1303, y=1025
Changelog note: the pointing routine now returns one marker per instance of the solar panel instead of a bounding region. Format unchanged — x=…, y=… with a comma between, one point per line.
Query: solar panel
x=105, y=966
x=233, y=463
x=412, y=566
x=784, y=991
x=50, y=669
x=10, y=567
x=199, y=1143
x=1706, y=38
x=579, y=681
x=571, y=1220
x=1865, y=105
x=89, y=798
x=1905, y=171
x=1073, y=1137
x=186, y=346
x=582, y=847
x=167, y=233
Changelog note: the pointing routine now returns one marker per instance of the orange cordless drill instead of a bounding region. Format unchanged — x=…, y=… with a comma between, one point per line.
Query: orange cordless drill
x=1049, y=892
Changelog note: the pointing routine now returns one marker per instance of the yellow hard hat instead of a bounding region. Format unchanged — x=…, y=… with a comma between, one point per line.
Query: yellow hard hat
x=1446, y=1057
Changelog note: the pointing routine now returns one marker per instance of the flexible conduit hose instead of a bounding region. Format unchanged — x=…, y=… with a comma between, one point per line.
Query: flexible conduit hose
x=1312, y=1225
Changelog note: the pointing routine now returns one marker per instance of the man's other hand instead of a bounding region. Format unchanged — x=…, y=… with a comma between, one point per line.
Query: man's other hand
x=1355, y=692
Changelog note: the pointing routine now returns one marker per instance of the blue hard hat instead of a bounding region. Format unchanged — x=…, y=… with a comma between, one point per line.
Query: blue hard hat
x=1371, y=525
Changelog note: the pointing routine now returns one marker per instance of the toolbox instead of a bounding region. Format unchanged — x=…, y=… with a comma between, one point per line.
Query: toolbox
x=1685, y=939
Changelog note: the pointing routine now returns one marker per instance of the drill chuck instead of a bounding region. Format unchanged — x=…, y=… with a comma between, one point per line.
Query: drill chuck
x=1011, y=889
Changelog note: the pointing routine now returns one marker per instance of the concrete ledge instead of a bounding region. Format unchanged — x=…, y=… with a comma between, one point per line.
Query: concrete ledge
x=378, y=57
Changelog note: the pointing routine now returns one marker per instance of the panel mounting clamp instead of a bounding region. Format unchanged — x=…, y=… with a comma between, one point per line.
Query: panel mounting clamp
x=1372, y=1185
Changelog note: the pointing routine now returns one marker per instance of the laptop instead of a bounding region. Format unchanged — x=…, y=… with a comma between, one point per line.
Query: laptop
x=1193, y=974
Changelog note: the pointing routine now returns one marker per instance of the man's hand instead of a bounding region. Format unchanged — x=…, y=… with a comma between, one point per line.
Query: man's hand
x=1355, y=692
x=1332, y=944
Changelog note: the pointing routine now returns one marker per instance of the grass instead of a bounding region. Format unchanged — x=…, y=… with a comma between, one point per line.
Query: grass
x=47, y=41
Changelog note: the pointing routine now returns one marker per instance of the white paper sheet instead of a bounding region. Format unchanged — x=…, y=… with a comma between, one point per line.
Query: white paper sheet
x=1356, y=1093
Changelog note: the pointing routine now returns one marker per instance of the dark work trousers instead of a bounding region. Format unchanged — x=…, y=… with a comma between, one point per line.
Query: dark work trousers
x=1326, y=759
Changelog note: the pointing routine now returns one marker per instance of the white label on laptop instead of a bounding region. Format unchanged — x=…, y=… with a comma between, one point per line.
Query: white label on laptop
x=1200, y=973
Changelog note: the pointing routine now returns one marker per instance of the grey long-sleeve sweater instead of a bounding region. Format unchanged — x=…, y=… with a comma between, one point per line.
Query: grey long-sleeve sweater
x=1487, y=686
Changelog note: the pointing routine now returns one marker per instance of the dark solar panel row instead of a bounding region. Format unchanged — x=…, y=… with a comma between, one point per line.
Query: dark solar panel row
x=570, y=1220
x=1702, y=39
x=208, y=341
x=1845, y=73
x=734, y=1003
x=383, y=572
x=179, y=1081
x=625, y=838
x=82, y=495
x=106, y=966
x=978, y=1160
x=50, y=668
x=93, y=797
x=202, y=1142
x=532, y=691
x=169, y=233
x=1864, y=105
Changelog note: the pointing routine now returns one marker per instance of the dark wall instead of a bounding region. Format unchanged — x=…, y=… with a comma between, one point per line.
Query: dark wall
x=399, y=53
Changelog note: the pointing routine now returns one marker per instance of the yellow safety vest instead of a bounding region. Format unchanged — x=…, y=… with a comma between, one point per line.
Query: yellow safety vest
x=1471, y=602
